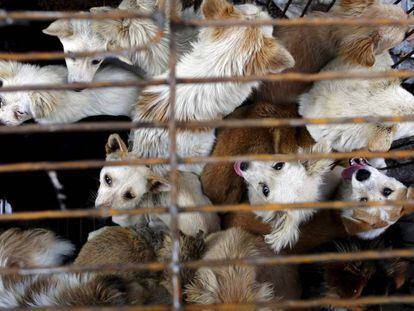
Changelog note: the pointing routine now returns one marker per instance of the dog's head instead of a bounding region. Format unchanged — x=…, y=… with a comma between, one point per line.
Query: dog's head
x=363, y=182
x=18, y=107
x=360, y=44
x=124, y=187
x=77, y=36
x=283, y=182
x=253, y=50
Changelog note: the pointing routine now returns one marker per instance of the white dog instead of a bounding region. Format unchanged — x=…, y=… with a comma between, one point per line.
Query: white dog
x=129, y=187
x=65, y=106
x=106, y=35
x=284, y=182
x=219, y=52
x=357, y=98
x=362, y=182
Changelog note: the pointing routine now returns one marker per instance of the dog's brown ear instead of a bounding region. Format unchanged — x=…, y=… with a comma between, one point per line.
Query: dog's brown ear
x=116, y=145
x=59, y=28
x=217, y=9
x=408, y=208
x=381, y=137
x=157, y=184
x=355, y=7
x=360, y=50
x=272, y=58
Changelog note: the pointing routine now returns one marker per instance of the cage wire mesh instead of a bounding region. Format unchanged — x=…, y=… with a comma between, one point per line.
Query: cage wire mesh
x=289, y=13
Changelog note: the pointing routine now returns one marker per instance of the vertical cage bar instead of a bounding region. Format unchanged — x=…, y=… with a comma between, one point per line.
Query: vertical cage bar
x=173, y=160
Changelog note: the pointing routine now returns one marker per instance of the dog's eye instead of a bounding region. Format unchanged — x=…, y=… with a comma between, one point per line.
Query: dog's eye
x=363, y=199
x=265, y=190
x=96, y=62
x=387, y=191
x=1, y=83
x=278, y=166
x=108, y=180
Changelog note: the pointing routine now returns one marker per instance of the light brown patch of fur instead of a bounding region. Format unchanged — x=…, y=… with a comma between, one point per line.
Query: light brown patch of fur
x=360, y=51
x=240, y=284
x=381, y=137
x=43, y=103
x=218, y=9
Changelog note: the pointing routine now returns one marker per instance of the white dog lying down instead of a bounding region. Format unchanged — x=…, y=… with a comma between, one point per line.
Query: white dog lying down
x=362, y=182
x=284, y=182
x=218, y=52
x=128, y=187
x=86, y=35
x=65, y=106
x=357, y=98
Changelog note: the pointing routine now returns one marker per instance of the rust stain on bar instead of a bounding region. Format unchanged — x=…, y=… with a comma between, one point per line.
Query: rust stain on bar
x=256, y=261
x=88, y=164
x=287, y=76
x=108, y=212
x=245, y=123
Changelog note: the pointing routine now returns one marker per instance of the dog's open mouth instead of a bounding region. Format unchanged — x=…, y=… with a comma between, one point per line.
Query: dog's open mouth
x=354, y=165
x=237, y=168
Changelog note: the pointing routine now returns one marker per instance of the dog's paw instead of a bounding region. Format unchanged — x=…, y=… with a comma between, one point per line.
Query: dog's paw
x=278, y=240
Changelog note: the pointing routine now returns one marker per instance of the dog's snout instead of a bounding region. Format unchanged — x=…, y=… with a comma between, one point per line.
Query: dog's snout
x=362, y=175
x=244, y=166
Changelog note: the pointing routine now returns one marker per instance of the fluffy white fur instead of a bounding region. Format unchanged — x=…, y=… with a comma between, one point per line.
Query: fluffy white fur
x=65, y=106
x=218, y=52
x=372, y=189
x=86, y=35
x=284, y=182
x=129, y=187
x=357, y=98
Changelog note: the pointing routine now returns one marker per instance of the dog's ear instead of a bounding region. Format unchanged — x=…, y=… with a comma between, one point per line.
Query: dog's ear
x=59, y=28
x=355, y=7
x=319, y=166
x=157, y=184
x=359, y=49
x=42, y=104
x=115, y=145
x=273, y=58
x=213, y=9
x=408, y=208
x=381, y=137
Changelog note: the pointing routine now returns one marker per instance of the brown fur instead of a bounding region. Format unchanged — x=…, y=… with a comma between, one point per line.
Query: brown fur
x=220, y=183
x=314, y=47
x=241, y=284
x=191, y=248
x=381, y=138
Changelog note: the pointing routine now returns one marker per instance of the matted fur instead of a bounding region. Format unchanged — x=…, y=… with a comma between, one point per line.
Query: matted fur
x=218, y=52
x=64, y=106
x=143, y=187
x=240, y=284
x=356, y=98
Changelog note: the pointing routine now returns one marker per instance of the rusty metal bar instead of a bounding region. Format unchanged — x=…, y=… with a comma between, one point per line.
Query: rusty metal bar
x=228, y=123
x=61, y=55
x=12, y=16
x=88, y=164
x=245, y=207
x=257, y=261
x=283, y=304
x=287, y=76
x=300, y=22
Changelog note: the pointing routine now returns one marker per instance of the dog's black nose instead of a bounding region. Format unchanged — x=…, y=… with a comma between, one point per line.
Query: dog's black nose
x=244, y=166
x=362, y=175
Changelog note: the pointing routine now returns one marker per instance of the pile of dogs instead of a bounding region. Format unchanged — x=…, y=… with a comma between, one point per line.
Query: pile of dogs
x=220, y=52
